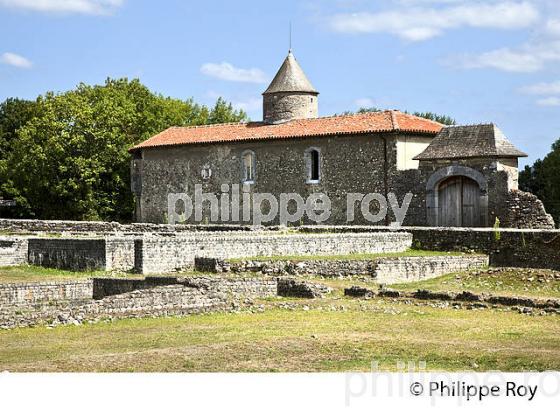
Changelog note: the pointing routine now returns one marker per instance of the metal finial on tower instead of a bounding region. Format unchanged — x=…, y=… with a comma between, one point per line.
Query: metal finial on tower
x=290, y=43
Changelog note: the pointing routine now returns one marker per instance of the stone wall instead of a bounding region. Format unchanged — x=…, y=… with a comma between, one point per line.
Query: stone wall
x=29, y=293
x=79, y=254
x=231, y=286
x=524, y=210
x=236, y=287
x=13, y=251
x=158, y=301
x=119, y=254
x=288, y=287
x=177, y=252
x=33, y=226
x=530, y=248
x=156, y=254
x=412, y=269
x=66, y=253
x=24, y=304
x=103, y=287
x=385, y=270
x=326, y=268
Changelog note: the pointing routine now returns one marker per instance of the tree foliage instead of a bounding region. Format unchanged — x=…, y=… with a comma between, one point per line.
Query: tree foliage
x=14, y=113
x=69, y=158
x=543, y=179
x=442, y=119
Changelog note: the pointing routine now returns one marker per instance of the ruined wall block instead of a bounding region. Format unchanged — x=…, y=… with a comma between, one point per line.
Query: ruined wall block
x=168, y=254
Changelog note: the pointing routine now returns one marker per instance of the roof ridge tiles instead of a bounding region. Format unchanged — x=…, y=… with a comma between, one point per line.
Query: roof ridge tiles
x=360, y=123
x=394, y=120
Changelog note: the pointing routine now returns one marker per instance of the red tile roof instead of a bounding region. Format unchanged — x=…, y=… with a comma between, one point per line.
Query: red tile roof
x=377, y=122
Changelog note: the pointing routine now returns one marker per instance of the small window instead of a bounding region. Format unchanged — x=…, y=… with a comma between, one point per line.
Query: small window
x=248, y=167
x=313, y=162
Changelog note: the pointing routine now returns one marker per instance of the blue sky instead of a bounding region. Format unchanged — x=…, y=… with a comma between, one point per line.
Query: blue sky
x=478, y=61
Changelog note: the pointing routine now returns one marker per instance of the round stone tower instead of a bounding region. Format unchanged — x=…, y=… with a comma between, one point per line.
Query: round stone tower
x=290, y=95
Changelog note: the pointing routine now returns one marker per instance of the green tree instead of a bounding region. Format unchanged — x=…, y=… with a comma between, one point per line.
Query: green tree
x=71, y=160
x=223, y=112
x=543, y=179
x=442, y=119
x=14, y=113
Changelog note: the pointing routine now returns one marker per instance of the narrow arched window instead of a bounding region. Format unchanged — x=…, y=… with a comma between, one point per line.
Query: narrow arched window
x=313, y=163
x=248, y=167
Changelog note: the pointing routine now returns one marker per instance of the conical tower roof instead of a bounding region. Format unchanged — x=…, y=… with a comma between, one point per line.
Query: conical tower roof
x=290, y=78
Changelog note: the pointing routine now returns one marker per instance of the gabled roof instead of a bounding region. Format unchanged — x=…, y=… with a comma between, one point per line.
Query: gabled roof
x=468, y=141
x=376, y=122
x=290, y=78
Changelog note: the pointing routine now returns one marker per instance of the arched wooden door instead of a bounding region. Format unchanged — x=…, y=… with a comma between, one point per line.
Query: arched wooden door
x=459, y=202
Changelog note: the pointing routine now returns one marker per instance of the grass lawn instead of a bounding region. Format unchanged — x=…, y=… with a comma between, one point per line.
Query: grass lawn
x=28, y=273
x=297, y=340
x=352, y=256
x=330, y=334
x=519, y=282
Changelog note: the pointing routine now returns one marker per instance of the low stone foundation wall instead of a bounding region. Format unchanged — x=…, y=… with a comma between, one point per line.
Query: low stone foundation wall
x=70, y=254
x=236, y=287
x=26, y=304
x=473, y=299
x=79, y=254
x=300, y=289
x=156, y=254
x=32, y=226
x=13, y=251
x=526, y=248
x=176, y=249
x=158, y=301
x=413, y=268
x=385, y=270
x=29, y=293
x=326, y=267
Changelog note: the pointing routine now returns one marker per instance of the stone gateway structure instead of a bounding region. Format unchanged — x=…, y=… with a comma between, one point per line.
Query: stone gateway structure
x=453, y=176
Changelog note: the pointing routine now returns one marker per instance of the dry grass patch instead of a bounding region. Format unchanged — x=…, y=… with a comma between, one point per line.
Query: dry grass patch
x=280, y=339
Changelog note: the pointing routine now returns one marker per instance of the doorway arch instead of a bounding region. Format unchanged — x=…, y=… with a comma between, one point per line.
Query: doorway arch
x=457, y=196
x=459, y=202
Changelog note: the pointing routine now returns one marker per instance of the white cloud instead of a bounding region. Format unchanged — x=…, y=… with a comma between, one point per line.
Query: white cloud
x=541, y=49
x=15, y=60
x=552, y=88
x=417, y=24
x=65, y=6
x=553, y=27
x=364, y=102
x=549, y=102
x=528, y=58
x=228, y=72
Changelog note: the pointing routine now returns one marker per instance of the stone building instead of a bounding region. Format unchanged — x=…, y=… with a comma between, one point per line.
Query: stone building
x=456, y=176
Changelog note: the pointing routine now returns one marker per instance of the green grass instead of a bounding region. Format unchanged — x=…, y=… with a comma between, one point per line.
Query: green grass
x=352, y=256
x=29, y=273
x=335, y=334
x=519, y=282
x=295, y=340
